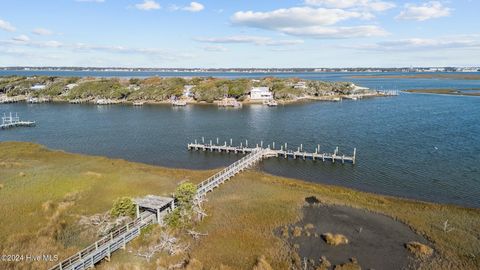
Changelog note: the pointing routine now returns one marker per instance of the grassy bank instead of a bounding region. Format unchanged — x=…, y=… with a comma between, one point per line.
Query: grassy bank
x=242, y=214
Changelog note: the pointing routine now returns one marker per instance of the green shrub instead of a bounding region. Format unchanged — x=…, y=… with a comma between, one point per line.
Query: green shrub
x=123, y=207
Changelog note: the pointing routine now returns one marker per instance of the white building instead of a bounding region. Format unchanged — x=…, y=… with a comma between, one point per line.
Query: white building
x=38, y=87
x=187, y=90
x=300, y=85
x=260, y=93
x=71, y=86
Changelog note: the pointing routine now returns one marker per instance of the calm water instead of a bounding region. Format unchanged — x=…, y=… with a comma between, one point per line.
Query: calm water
x=418, y=146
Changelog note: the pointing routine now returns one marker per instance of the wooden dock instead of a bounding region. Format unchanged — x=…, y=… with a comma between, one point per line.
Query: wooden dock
x=14, y=121
x=255, y=155
x=271, y=151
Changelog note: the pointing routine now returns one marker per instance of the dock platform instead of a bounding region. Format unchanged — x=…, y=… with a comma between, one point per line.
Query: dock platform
x=271, y=151
x=14, y=121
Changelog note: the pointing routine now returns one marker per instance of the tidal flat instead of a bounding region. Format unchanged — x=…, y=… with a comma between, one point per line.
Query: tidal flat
x=44, y=193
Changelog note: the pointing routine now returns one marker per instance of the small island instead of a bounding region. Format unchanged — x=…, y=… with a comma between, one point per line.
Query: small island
x=176, y=90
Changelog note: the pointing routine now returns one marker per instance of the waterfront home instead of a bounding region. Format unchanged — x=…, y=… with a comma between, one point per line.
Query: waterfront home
x=187, y=91
x=38, y=87
x=260, y=93
x=70, y=86
x=300, y=85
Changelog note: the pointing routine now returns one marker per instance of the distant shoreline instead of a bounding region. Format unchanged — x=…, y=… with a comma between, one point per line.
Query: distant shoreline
x=421, y=76
x=451, y=92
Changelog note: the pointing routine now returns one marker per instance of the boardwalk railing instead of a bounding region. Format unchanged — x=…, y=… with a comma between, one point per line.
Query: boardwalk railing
x=256, y=155
x=104, y=247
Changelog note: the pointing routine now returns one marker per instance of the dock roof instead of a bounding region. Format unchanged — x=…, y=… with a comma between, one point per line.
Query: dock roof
x=153, y=201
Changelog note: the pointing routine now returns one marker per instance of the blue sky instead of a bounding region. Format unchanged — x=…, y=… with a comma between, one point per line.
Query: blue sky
x=239, y=33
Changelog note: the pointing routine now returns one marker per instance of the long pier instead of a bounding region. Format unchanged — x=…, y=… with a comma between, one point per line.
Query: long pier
x=271, y=151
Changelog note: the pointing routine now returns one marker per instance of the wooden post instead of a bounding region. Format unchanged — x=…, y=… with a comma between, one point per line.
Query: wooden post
x=217, y=140
x=231, y=141
x=354, y=155
x=137, y=207
x=261, y=144
x=203, y=140
x=273, y=145
x=301, y=147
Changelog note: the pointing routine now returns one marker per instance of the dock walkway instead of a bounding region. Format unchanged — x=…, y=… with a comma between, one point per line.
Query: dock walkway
x=270, y=151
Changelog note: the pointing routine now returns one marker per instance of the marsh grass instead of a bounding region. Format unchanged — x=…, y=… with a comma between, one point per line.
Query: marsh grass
x=45, y=192
x=244, y=215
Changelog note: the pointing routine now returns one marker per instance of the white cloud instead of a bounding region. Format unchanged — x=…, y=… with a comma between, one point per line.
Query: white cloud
x=307, y=21
x=92, y=1
x=423, y=12
x=373, y=5
x=194, y=7
x=4, y=25
x=21, y=38
x=148, y=5
x=214, y=49
x=257, y=40
x=293, y=17
x=457, y=42
x=337, y=32
x=42, y=32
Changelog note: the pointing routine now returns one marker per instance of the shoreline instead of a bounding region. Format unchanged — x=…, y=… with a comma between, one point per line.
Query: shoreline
x=420, y=76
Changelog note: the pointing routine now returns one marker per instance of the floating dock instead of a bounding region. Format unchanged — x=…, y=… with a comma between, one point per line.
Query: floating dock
x=11, y=121
x=271, y=151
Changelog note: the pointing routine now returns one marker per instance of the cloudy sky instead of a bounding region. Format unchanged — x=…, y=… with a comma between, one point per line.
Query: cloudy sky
x=239, y=33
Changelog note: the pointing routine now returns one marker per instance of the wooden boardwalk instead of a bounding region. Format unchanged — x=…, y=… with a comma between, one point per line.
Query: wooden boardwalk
x=255, y=155
x=103, y=248
x=270, y=151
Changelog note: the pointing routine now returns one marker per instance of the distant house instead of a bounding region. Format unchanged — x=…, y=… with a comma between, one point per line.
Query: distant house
x=70, y=86
x=300, y=85
x=38, y=87
x=187, y=90
x=260, y=93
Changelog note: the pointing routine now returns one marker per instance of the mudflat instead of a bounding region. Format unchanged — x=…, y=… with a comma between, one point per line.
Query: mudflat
x=374, y=240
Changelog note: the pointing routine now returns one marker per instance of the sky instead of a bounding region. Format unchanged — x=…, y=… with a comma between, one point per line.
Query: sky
x=239, y=33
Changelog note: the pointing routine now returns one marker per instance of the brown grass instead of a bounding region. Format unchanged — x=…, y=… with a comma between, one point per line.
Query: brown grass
x=297, y=231
x=194, y=264
x=335, y=239
x=324, y=264
x=347, y=266
x=419, y=250
x=262, y=264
